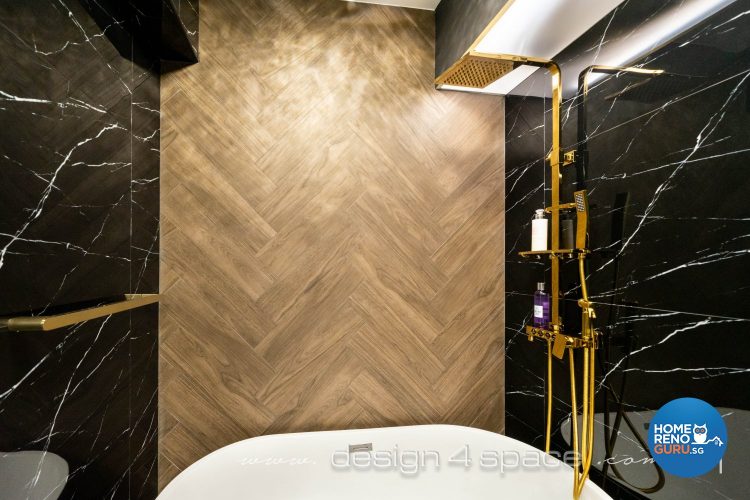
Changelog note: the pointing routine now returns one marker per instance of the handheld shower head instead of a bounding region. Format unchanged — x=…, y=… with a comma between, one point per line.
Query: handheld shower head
x=582, y=214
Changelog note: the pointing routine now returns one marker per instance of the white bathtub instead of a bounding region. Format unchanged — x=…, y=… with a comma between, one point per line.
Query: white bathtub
x=418, y=462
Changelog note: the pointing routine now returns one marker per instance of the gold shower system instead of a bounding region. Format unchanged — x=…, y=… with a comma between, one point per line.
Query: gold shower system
x=477, y=70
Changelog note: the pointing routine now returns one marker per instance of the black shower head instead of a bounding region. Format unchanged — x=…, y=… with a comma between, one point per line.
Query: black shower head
x=659, y=87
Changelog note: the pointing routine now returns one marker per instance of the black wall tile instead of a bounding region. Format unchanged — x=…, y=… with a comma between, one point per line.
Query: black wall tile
x=671, y=287
x=79, y=222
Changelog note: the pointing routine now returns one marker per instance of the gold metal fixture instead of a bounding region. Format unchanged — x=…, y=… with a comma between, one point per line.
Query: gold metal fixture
x=544, y=334
x=569, y=158
x=53, y=322
x=583, y=435
x=557, y=341
x=582, y=215
x=562, y=253
x=582, y=461
x=478, y=70
x=475, y=71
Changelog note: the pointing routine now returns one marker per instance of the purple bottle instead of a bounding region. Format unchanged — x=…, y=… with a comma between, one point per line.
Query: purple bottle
x=541, y=307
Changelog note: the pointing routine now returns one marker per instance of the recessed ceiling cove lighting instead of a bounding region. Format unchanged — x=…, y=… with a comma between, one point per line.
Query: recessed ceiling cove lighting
x=544, y=28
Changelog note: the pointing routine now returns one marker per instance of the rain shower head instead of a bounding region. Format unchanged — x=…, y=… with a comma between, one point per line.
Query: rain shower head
x=659, y=88
x=584, y=83
x=478, y=70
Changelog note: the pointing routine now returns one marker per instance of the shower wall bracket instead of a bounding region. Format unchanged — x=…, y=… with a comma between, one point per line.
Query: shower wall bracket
x=569, y=158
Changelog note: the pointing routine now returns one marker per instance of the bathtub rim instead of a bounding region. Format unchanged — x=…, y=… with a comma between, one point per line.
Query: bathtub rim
x=291, y=435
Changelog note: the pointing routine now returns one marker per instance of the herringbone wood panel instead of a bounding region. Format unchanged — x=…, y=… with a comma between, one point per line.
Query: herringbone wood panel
x=332, y=246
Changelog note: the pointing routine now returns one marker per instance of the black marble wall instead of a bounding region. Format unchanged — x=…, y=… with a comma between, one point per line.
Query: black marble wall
x=79, y=222
x=179, y=30
x=670, y=229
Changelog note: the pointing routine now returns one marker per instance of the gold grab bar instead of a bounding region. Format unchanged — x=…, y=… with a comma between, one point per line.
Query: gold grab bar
x=47, y=323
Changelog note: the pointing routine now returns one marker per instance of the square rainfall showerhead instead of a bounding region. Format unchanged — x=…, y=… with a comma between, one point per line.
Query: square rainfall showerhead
x=476, y=71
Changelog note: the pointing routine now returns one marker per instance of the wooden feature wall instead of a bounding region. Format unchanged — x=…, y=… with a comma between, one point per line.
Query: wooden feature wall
x=332, y=230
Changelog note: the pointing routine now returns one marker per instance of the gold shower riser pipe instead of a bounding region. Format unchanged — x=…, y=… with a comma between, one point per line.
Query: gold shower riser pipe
x=574, y=421
x=583, y=449
x=554, y=69
x=584, y=457
x=548, y=430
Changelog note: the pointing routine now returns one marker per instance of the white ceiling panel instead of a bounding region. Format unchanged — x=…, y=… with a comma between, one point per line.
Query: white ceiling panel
x=411, y=4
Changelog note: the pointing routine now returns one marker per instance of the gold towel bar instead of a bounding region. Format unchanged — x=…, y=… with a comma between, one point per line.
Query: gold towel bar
x=46, y=323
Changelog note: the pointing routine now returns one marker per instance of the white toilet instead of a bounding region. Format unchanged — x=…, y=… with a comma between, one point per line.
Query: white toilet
x=32, y=475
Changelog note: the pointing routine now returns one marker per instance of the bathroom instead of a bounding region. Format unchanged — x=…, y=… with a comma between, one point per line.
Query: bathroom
x=303, y=249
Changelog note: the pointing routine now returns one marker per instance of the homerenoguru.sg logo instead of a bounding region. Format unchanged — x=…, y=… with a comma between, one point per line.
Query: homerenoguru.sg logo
x=687, y=437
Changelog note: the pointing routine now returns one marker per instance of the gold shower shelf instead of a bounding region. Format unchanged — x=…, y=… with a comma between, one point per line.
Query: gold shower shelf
x=563, y=252
x=561, y=206
x=53, y=322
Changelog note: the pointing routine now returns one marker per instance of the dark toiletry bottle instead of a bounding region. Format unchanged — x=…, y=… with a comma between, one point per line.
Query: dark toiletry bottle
x=567, y=232
x=541, y=307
